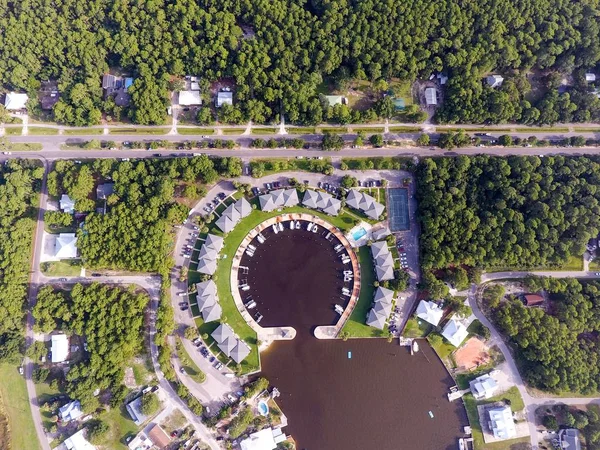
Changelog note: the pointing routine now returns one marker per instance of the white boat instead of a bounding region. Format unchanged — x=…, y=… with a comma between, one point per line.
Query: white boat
x=275, y=229
x=291, y=224
x=280, y=226
x=415, y=347
x=297, y=224
x=339, y=309
x=309, y=226
x=315, y=228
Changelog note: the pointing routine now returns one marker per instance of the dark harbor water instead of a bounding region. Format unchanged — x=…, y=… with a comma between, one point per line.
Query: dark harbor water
x=380, y=398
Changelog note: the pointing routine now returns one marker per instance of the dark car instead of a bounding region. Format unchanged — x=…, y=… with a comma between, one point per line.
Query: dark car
x=95, y=274
x=157, y=155
x=62, y=279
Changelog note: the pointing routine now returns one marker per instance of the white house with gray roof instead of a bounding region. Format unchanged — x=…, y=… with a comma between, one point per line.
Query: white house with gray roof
x=281, y=198
x=323, y=201
x=233, y=214
x=483, y=387
x=502, y=423
x=430, y=312
x=208, y=301
x=382, y=308
x=455, y=332
x=209, y=254
x=364, y=203
x=384, y=263
x=230, y=344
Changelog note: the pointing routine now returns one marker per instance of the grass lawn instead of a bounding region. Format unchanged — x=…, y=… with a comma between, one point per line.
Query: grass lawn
x=575, y=263
x=301, y=130
x=65, y=267
x=42, y=131
x=471, y=407
x=442, y=347
x=233, y=131
x=14, y=402
x=416, y=328
x=265, y=130
x=405, y=129
x=143, y=372
x=402, y=89
x=44, y=393
x=198, y=131
x=190, y=367
x=355, y=325
x=120, y=427
x=13, y=131
x=83, y=131
x=286, y=164
x=334, y=129
x=24, y=147
x=471, y=129
x=368, y=130
x=378, y=162
x=538, y=129
x=139, y=130
x=587, y=129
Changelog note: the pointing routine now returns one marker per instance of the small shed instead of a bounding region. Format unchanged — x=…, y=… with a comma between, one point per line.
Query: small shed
x=533, y=299
x=431, y=96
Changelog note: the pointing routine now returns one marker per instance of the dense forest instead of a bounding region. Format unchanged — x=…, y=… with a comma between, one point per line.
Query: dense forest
x=559, y=351
x=147, y=200
x=19, y=182
x=110, y=319
x=278, y=52
x=518, y=212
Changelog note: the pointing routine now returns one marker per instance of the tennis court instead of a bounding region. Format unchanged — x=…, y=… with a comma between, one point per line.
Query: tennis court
x=398, y=209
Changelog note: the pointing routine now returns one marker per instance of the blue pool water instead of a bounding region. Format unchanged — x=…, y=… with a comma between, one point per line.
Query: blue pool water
x=359, y=233
x=263, y=408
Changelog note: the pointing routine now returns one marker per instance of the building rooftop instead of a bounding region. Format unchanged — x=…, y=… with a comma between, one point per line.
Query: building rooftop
x=65, y=246
x=70, y=411
x=323, y=201
x=280, y=198
x=533, y=299
x=213, y=241
x=365, y=203
x=455, y=332
x=224, y=98
x=261, y=440
x=333, y=100
x=59, y=348
x=158, y=436
x=569, y=439
x=233, y=214
x=134, y=408
x=483, y=387
x=15, y=101
x=104, y=190
x=78, y=442
x=431, y=96
x=430, y=312
x=66, y=204
x=222, y=332
x=384, y=263
x=187, y=98
x=495, y=80
x=240, y=351
x=502, y=423
x=375, y=319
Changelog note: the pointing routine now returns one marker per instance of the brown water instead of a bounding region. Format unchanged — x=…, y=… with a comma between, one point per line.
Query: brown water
x=379, y=398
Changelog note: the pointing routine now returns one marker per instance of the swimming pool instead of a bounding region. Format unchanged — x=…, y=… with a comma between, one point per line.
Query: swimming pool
x=359, y=234
x=263, y=408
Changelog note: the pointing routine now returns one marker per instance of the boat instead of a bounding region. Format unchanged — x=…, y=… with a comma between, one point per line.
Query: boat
x=339, y=309
x=291, y=224
x=415, y=346
x=430, y=414
x=275, y=229
x=297, y=224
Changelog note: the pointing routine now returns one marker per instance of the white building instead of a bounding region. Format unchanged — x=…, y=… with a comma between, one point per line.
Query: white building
x=455, y=332
x=188, y=98
x=60, y=348
x=430, y=312
x=261, y=440
x=483, y=387
x=590, y=77
x=67, y=204
x=15, y=101
x=224, y=98
x=495, y=80
x=78, y=442
x=502, y=423
x=71, y=411
x=65, y=246
x=430, y=96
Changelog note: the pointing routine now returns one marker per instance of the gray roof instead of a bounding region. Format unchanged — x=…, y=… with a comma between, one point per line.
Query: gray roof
x=240, y=351
x=323, y=201
x=569, y=439
x=280, y=198
x=206, y=294
x=207, y=266
x=376, y=320
x=384, y=263
x=233, y=214
x=208, y=253
x=223, y=332
x=211, y=313
x=227, y=345
x=214, y=242
x=382, y=308
x=380, y=233
x=104, y=190
x=365, y=203
x=383, y=295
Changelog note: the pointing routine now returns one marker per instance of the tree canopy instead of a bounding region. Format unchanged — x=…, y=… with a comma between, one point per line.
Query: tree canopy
x=517, y=212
